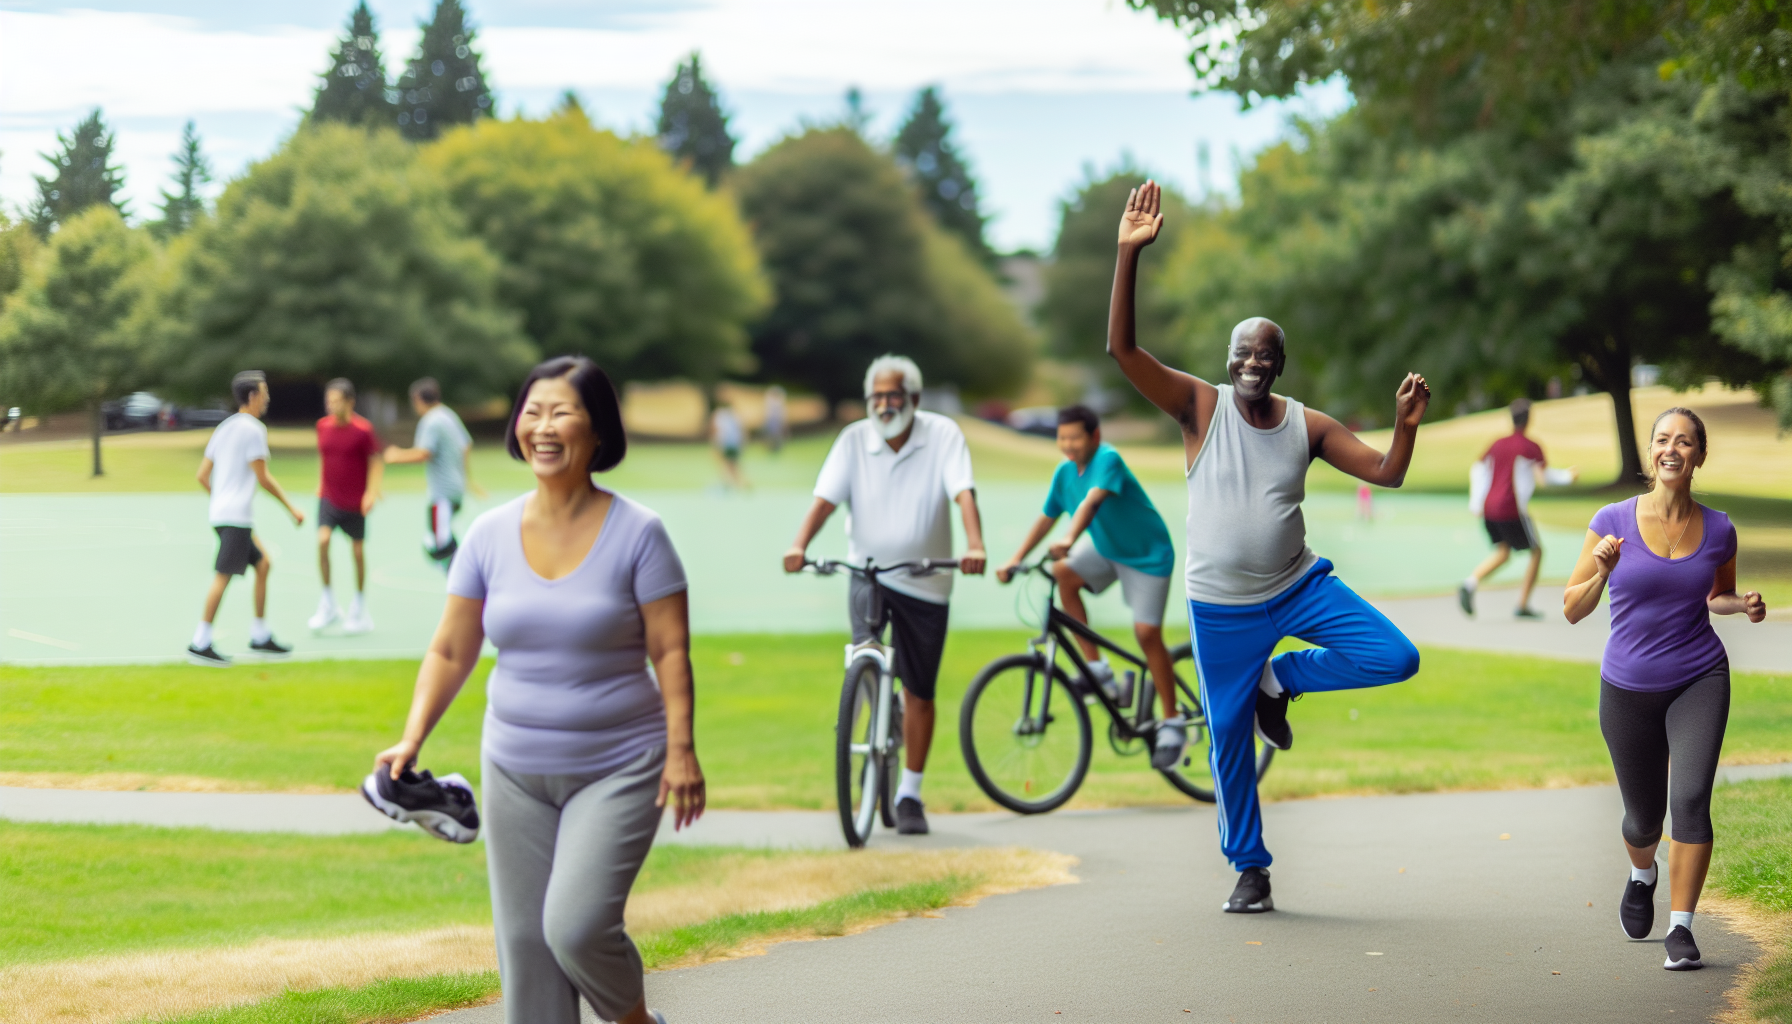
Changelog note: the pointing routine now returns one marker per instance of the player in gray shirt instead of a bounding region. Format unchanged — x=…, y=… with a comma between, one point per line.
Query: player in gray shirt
x=445, y=448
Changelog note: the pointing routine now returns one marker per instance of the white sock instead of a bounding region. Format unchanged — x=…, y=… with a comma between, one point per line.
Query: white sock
x=1643, y=875
x=910, y=786
x=258, y=631
x=1270, y=684
x=202, y=637
x=1470, y=584
x=1680, y=919
x=358, y=605
x=329, y=599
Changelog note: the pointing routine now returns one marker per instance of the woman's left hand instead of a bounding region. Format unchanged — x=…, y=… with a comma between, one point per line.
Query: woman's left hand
x=1753, y=606
x=683, y=781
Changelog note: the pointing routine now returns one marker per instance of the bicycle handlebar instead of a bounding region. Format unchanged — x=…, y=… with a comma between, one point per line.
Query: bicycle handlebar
x=828, y=567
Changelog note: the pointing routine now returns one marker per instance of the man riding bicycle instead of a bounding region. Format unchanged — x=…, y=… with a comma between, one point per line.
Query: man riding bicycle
x=899, y=471
x=1122, y=538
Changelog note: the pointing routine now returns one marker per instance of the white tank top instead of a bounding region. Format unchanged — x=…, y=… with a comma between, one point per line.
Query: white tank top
x=1247, y=539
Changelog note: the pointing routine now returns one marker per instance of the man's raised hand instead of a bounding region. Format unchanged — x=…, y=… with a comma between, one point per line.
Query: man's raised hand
x=1411, y=401
x=1143, y=218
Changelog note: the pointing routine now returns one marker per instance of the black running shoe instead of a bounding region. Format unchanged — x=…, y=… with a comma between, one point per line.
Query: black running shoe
x=1683, y=953
x=910, y=819
x=207, y=656
x=1527, y=612
x=1636, y=910
x=270, y=648
x=1466, y=598
x=443, y=807
x=1272, y=720
x=1252, y=894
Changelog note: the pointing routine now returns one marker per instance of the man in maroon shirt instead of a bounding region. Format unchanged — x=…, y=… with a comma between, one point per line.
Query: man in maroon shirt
x=349, y=484
x=1509, y=486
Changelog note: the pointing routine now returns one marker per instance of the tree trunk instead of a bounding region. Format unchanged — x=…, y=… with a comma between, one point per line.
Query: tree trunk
x=1630, y=459
x=99, y=427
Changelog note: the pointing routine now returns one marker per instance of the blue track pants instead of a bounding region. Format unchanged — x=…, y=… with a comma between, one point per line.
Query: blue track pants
x=1356, y=647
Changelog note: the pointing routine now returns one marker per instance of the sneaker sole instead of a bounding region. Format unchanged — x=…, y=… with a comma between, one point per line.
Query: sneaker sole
x=442, y=826
x=1683, y=965
x=1261, y=907
x=1265, y=737
x=194, y=659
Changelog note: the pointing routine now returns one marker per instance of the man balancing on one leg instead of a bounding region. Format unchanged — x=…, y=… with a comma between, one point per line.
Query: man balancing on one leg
x=1251, y=578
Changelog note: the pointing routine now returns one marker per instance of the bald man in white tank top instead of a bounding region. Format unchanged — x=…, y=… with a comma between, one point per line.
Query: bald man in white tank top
x=1251, y=578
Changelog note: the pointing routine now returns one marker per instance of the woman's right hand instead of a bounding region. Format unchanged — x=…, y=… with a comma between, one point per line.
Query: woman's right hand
x=1605, y=554
x=397, y=757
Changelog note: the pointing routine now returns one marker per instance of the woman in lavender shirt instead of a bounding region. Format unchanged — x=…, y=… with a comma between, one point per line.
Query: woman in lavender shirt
x=579, y=589
x=1664, y=690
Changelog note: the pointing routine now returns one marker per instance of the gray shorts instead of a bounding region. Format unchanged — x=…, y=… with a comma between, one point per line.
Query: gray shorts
x=1145, y=594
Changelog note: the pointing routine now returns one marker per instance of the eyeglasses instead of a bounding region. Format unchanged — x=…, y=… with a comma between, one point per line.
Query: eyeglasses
x=896, y=398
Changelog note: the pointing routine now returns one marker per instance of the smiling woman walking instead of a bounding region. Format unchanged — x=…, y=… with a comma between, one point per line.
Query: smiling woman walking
x=579, y=589
x=1664, y=690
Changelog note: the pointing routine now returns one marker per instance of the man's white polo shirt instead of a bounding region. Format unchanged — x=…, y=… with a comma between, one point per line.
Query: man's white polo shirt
x=899, y=504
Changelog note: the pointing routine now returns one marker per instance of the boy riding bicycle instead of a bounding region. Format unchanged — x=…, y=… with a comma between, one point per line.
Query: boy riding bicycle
x=1115, y=534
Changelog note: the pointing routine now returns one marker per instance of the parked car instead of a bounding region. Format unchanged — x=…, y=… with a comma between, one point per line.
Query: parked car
x=1039, y=419
x=204, y=416
x=138, y=409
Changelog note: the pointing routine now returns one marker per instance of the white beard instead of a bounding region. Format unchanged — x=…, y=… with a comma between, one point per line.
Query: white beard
x=892, y=428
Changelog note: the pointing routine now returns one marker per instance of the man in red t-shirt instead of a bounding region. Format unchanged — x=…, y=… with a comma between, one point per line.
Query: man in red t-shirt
x=1503, y=510
x=349, y=484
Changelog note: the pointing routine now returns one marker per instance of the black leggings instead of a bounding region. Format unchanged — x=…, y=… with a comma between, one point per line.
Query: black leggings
x=1645, y=731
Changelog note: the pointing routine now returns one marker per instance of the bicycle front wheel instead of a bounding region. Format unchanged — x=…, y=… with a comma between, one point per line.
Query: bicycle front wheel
x=1024, y=734
x=860, y=782
x=1193, y=774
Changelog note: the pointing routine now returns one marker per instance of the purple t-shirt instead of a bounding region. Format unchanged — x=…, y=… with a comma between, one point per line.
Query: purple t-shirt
x=571, y=692
x=1661, y=629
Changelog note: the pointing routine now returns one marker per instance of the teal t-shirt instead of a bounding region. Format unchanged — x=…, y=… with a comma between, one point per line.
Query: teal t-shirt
x=1126, y=528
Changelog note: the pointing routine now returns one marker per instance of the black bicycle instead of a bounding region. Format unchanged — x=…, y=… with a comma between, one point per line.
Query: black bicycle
x=1024, y=726
x=868, y=732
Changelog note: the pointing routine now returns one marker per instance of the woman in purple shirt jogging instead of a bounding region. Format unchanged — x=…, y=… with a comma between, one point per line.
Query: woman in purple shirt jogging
x=1664, y=689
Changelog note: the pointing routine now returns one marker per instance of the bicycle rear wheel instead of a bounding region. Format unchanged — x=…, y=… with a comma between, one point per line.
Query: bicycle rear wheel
x=1024, y=734
x=1193, y=774
x=860, y=782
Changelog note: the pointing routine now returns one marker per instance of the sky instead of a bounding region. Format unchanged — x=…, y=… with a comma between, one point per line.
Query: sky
x=1042, y=92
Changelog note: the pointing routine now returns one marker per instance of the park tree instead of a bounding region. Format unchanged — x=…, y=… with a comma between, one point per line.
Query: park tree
x=66, y=339
x=184, y=206
x=856, y=274
x=692, y=126
x=924, y=148
x=608, y=249
x=340, y=255
x=353, y=90
x=442, y=86
x=19, y=245
x=1080, y=277
x=84, y=176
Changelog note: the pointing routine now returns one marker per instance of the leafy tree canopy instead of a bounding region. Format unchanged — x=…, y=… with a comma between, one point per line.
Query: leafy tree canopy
x=692, y=126
x=924, y=148
x=18, y=247
x=338, y=255
x=608, y=249
x=443, y=86
x=353, y=91
x=84, y=176
x=181, y=208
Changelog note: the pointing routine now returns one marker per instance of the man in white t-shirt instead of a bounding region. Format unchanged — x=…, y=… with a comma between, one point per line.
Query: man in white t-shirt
x=899, y=472
x=236, y=459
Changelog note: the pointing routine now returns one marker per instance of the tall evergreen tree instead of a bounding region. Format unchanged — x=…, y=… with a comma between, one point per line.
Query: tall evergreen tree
x=185, y=205
x=84, y=176
x=692, y=126
x=442, y=86
x=924, y=148
x=354, y=89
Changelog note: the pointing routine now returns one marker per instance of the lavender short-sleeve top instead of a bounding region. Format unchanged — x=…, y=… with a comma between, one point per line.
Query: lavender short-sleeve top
x=571, y=692
x=1661, y=629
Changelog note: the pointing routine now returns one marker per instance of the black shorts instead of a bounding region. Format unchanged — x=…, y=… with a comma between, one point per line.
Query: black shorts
x=236, y=550
x=1518, y=534
x=352, y=523
x=917, y=628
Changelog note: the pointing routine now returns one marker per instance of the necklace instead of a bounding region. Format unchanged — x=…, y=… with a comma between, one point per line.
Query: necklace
x=1664, y=531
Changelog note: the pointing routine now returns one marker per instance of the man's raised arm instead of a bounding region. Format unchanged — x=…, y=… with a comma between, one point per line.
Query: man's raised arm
x=1170, y=390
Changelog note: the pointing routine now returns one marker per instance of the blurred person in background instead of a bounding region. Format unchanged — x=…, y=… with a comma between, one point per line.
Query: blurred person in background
x=777, y=419
x=348, y=486
x=728, y=436
x=445, y=448
x=236, y=460
x=1500, y=489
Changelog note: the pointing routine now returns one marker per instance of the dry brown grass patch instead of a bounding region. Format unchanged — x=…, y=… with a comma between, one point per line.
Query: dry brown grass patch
x=130, y=782
x=1770, y=932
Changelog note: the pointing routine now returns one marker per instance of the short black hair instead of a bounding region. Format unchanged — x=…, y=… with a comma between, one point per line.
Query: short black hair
x=599, y=397
x=343, y=386
x=1521, y=411
x=1080, y=414
x=427, y=390
x=244, y=385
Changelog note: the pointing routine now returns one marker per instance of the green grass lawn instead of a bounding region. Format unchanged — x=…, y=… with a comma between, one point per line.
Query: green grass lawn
x=1752, y=860
x=766, y=708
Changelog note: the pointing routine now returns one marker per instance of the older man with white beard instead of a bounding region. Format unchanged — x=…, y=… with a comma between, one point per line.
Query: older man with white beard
x=899, y=471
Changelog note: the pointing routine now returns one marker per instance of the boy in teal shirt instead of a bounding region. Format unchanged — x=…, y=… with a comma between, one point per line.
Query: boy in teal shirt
x=1115, y=534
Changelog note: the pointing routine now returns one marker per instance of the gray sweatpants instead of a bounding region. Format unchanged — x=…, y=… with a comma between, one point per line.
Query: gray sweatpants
x=562, y=852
